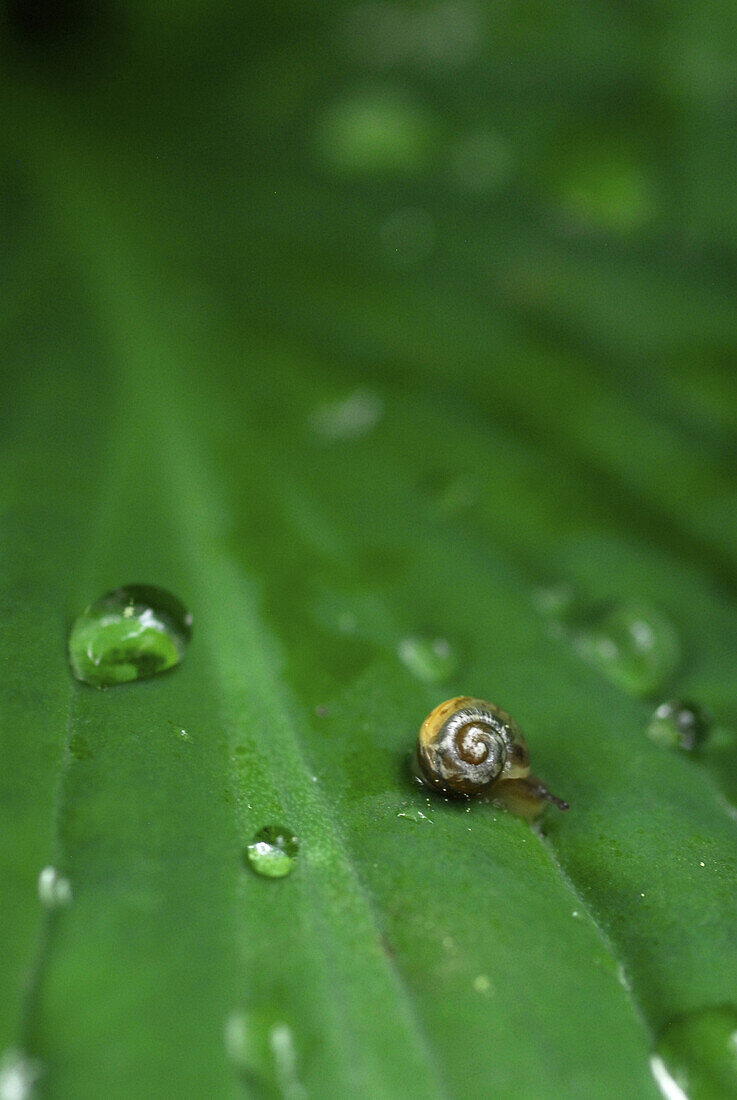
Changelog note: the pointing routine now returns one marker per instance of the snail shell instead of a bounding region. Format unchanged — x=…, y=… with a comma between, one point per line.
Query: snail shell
x=466, y=746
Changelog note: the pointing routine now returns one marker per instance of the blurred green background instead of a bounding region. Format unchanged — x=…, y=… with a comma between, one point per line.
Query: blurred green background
x=397, y=340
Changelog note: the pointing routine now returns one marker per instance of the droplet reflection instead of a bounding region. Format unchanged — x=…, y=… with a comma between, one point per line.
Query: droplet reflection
x=273, y=851
x=130, y=634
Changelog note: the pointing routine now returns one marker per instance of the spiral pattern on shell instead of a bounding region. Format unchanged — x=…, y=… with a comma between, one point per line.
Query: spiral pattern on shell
x=466, y=745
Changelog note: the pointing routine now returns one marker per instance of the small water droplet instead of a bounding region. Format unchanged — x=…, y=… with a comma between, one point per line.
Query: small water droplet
x=555, y=601
x=430, y=659
x=54, y=890
x=352, y=417
x=273, y=851
x=623, y=979
x=636, y=647
x=446, y=33
x=263, y=1048
x=379, y=131
x=696, y=1057
x=79, y=747
x=605, y=189
x=132, y=633
x=481, y=983
x=677, y=724
x=18, y=1075
x=413, y=814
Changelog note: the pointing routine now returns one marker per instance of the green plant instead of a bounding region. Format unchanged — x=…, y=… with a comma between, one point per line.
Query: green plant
x=382, y=460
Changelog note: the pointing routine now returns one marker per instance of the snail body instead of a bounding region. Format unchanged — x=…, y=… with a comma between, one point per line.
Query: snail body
x=470, y=748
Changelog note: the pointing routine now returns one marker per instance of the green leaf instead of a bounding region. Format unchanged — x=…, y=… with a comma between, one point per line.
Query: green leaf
x=357, y=414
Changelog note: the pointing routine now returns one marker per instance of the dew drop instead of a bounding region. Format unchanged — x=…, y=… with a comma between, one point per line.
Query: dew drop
x=696, y=1057
x=273, y=851
x=353, y=417
x=377, y=131
x=130, y=634
x=677, y=724
x=262, y=1047
x=555, y=601
x=443, y=34
x=430, y=659
x=79, y=747
x=54, y=890
x=606, y=190
x=413, y=814
x=18, y=1075
x=636, y=647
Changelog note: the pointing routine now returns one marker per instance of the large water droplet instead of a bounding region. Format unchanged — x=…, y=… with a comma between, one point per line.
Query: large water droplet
x=352, y=417
x=273, y=851
x=430, y=659
x=696, y=1058
x=129, y=634
x=54, y=890
x=262, y=1047
x=637, y=647
x=18, y=1075
x=679, y=725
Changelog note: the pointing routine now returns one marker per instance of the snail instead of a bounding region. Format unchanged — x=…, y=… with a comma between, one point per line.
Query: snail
x=470, y=748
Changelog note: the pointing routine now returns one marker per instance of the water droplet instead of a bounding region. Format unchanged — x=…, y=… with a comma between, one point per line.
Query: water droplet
x=129, y=634
x=79, y=747
x=555, y=601
x=378, y=131
x=481, y=983
x=607, y=190
x=623, y=979
x=677, y=724
x=430, y=659
x=353, y=417
x=413, y=814
x=634, y=646
x=263, y=1048
x=696, y=1057
x=444, y=34
x=54, y=890
x=182, y=734
x=18, y=1075
x=273, y=851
